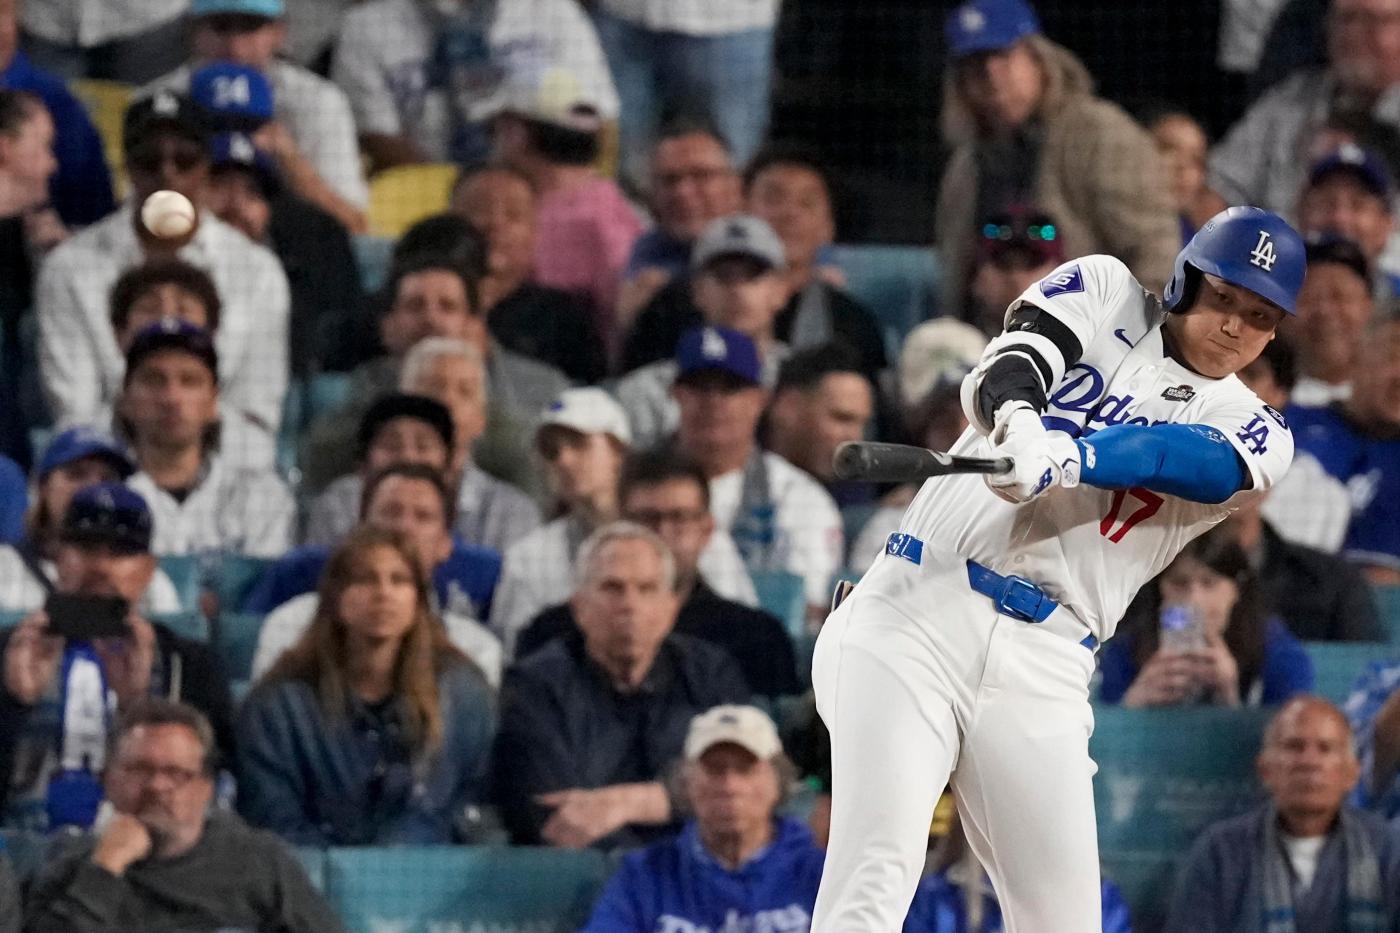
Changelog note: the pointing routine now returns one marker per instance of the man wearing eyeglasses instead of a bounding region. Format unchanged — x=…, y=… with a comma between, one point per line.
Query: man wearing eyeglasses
x=162, y=857
x=166, y=147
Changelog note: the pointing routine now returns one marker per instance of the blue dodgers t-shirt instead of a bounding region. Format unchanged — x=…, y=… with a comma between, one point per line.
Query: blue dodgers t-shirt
x=1369, y=464
x=470, y=572
x=14, y=499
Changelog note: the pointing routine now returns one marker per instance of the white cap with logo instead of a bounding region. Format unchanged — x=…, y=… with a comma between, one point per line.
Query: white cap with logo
x=588, y=410
x=745, y=726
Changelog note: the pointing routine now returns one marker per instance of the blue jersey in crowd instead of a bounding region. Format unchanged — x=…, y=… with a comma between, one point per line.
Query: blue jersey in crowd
x=940, y=907
x=14, y=499
x=82, y=187
x=675, y=886
x=1369, y=464
x=469, y=570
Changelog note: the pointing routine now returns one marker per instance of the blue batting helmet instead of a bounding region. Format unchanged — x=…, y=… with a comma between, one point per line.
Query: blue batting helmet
x=1245, y=246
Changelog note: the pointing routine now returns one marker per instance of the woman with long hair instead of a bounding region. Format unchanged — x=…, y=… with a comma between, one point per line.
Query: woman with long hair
x=372, y=729
x=1202, y=632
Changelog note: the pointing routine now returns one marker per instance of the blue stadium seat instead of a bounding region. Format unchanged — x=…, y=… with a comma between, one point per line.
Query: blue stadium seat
x=191, y=625
x=184, y=571
x=1337, y=664
x=1164, y=776
x=326, y=392
x=238, y=574
x=781, y=593
x=236, y=638
x=415, y=890
x=898, y=283
x=25, y=850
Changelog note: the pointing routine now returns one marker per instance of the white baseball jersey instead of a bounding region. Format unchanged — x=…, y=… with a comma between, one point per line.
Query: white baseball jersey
x=1091, y=549
x=246, y=511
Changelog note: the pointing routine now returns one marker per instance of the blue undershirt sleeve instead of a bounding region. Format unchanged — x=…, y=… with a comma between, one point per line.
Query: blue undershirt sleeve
x=1191, y=461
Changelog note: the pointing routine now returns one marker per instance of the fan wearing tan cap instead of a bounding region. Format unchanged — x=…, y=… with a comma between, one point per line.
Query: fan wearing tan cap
x=737, y=864
x=582, y=438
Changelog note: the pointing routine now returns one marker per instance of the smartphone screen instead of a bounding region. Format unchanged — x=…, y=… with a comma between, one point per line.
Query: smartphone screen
x=83, y=617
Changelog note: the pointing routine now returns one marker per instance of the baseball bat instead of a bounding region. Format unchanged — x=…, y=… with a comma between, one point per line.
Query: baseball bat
x=873, y=462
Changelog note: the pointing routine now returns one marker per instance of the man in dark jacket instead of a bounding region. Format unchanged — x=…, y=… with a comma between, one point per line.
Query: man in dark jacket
x=164, y=860
x=590, y=723
x=667, y=492
x=1304, y=861
x=104, y=550
x=736, y=865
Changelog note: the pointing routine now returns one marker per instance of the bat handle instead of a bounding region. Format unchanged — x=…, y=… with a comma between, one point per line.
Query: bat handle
x=1003, y=465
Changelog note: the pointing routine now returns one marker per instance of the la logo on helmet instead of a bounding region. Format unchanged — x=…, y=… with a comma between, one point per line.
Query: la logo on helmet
x=1263, y=255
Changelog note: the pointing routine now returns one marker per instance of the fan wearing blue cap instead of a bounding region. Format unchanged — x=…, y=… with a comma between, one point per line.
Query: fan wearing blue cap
x=1020, y=114
x=966, y=651
x=1348, y=195
x=203, y=501
x=300, y=119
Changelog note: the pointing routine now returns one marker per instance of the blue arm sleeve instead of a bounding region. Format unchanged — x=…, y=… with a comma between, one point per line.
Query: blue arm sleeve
x=1190, y=461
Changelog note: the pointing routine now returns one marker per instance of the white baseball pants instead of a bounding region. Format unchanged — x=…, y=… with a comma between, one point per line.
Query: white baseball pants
x=918, y=679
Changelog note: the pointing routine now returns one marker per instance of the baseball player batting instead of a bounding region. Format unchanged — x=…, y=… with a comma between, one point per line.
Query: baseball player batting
x=966, y=650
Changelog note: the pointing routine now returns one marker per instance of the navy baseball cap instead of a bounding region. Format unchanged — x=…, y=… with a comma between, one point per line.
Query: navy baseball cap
x=165, y=109
x=1362, y=164
x=988, y=26
x=172, y=334
x=268, y=9
x=237, y=150
x=233, y=97
x=81, y=443
x=110, y=514
x=717, y=349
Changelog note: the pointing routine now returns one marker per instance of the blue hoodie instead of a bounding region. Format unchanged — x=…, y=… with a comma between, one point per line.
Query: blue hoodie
x=675, y=886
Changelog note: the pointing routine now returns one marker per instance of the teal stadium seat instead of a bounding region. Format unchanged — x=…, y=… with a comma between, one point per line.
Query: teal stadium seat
x=782, y=594
x=191, y=625
x=1388, y=603
x=1337, y=664
x=1164, y=776
x=236, y=637
x=462, y=888
x=325, y=393
x=314, y=861
x=372, y=255
x=238, y=574
x=9, y=618
x=898, y=283
x=184, y=572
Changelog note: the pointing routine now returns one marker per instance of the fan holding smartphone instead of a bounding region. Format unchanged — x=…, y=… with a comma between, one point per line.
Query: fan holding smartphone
x=85, y=645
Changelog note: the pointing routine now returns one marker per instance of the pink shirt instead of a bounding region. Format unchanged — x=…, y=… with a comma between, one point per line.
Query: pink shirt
x=585, y=236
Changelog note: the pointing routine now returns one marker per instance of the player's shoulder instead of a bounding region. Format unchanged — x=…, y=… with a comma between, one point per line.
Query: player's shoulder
x=1231, y=393
x=1100, y=278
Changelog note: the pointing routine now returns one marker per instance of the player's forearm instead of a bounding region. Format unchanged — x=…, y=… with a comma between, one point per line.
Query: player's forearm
x=1190, y=461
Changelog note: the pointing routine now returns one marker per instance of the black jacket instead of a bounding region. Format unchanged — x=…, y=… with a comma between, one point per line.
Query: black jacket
x=755, y=639
x=551, y=326
x=563, y=725
x=1320, y=596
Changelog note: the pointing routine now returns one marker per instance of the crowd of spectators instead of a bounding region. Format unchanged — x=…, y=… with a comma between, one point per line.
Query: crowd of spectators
x=541, y=525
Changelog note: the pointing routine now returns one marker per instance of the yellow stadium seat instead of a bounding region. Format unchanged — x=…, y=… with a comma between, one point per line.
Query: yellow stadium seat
x=106, y=103
x=400, y=197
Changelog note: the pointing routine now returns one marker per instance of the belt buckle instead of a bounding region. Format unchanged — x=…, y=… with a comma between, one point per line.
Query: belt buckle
x=1019, y=599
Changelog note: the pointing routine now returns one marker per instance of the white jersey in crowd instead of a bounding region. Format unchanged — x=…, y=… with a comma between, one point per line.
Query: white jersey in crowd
x=231, y=509
x=810, y=540
x=1091, y=549
x=80, y=364
x=538, y=572
x=20, y=591
x=90, y=23
x=316, y=115
x=285, y=625
x=384, y=57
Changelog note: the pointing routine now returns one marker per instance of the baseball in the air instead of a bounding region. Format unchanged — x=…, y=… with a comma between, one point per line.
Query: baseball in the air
x=168, y=214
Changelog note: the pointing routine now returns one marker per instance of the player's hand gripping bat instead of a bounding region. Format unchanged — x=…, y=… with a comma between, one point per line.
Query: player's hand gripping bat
x=872, y=462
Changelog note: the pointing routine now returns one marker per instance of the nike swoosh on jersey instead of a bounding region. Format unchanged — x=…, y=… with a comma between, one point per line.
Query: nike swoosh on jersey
x=1122, y=335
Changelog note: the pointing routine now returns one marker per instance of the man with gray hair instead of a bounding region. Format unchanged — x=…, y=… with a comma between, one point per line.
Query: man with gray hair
x=590, y=722
x=1304, y=861
x=162, y=857
x=490, y=512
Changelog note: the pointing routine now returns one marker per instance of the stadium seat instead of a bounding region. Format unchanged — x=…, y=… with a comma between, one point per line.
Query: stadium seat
x=415, y=890
x=400, y=197
x=1388, y=602
x=326, y=392
x=238, y=574
x=184, y=571
x=781, y=593
x=314, y=861
x=1164, y=776
x=236, y=638
x=1337, y=664
x=106, y=103
x=898, y=283
x=372, y=255
x=191, y=625
x=11, y=617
